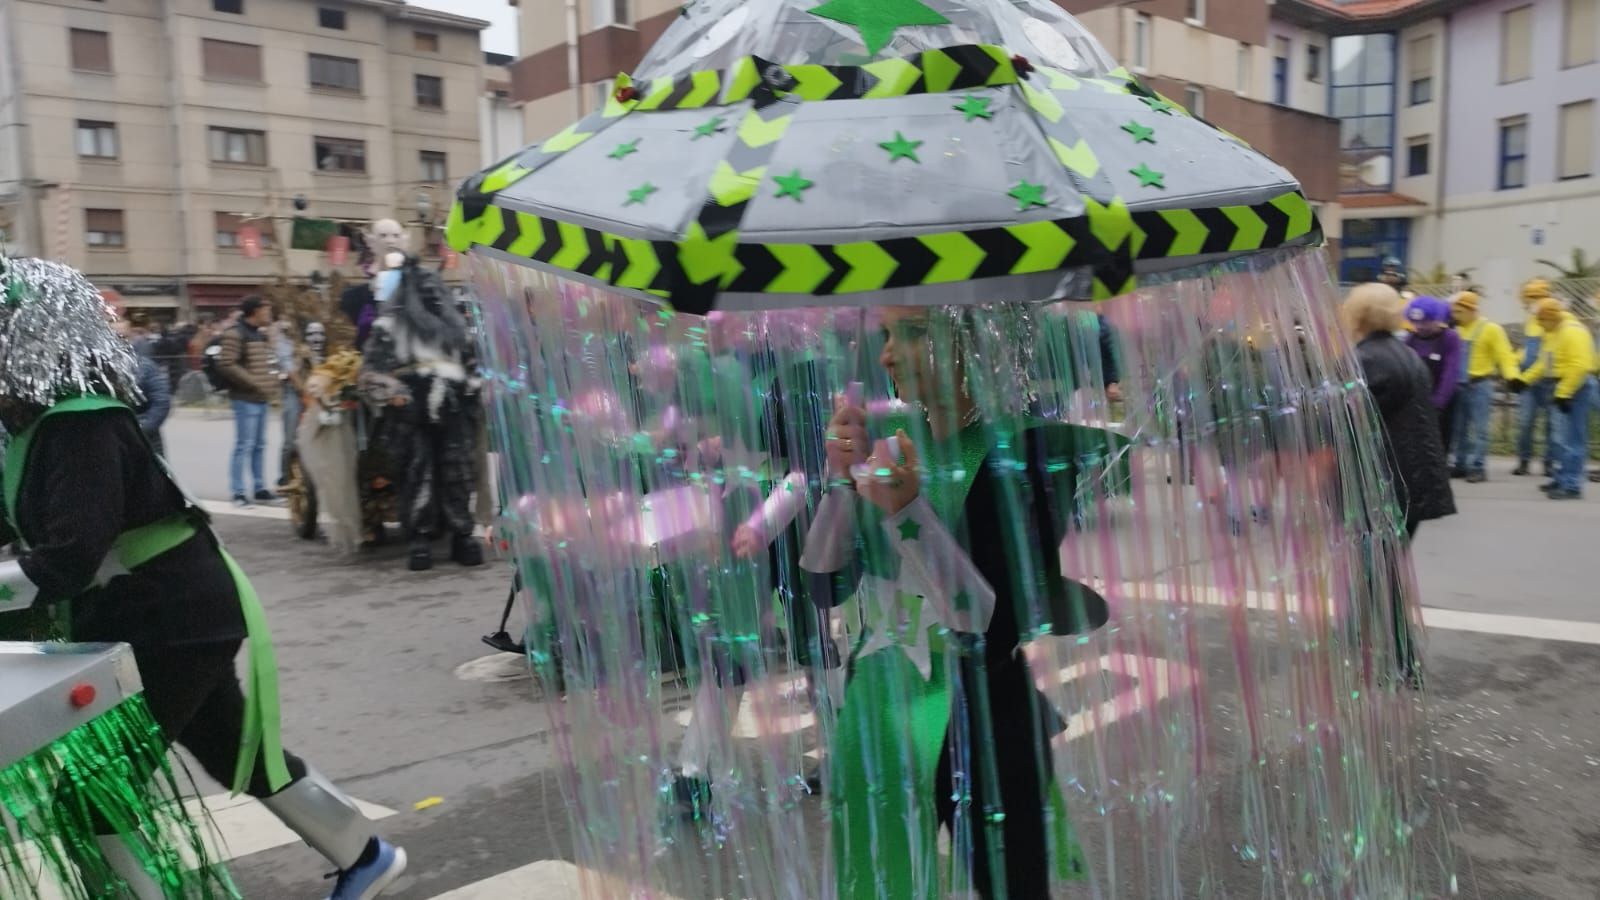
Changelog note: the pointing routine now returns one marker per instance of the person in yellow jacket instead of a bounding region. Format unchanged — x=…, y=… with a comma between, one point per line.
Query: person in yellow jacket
x=1489, y=356
x=1535, y=395
x=1566, y=361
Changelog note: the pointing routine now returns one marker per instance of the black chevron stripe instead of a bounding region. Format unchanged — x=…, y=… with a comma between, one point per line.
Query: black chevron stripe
x=680, y=89
x=509, y=230
x=671, y=272
x=718, y=220
x=1277, y=224
x=976, y=66
x=839, y=266
x=1001, y=251
x=552, y=240
x=854, y=82
x=759, y=268
x=913, y=261
x=1220, y=230
x=599, y=253
x=1158, y=235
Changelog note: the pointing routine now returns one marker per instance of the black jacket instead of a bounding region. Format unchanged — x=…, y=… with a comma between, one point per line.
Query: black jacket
x=90, y=477
x=1403, y=391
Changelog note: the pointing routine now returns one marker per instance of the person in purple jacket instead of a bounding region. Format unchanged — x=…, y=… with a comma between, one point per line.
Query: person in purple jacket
x=1440, y=348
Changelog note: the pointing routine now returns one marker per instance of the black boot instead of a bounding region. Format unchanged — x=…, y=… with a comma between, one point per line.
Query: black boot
x=1521, y=469
x=466, y=550
x=421, y=556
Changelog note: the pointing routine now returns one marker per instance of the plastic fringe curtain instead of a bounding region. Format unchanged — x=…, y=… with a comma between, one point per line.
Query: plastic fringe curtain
x=112, y=770
x=1124, y=610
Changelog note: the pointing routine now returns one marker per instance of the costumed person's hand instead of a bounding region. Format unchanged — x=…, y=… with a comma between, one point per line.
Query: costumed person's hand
x=847, y=436
x=891, y=484
x=747, y=541
x=1516, y=385
x=1565, y=405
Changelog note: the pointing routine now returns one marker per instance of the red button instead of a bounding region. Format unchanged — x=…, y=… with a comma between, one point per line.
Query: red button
x=82, y=695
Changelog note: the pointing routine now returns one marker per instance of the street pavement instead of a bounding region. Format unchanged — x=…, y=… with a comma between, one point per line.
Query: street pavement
x=388, y=690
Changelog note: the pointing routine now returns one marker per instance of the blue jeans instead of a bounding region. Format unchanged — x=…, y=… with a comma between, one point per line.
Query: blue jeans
x=249, y=441
x=1574, y=429
x=1536, y=399
x=1471, y=438
x=291, y=424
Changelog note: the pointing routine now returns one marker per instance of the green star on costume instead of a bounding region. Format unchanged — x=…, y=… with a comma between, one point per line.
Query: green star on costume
x=1148, y=177
x=1027, y=195
x=708, y=129
x=877, y=20
x=641, y=193
x=1142, y=134
x=900, y=147
x=961, y=602
x=975, y=108
x=624, y=149
x=7, y=594
x=909, y=530
x=1159, y=105
x=792, y=184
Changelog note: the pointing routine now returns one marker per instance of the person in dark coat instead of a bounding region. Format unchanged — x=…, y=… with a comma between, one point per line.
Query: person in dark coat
x=1402, y=389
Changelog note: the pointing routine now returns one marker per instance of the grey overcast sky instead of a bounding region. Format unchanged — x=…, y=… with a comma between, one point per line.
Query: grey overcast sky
x=501, y=37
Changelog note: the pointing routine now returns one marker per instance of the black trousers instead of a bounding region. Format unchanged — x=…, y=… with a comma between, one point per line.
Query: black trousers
x=194, y=695
x=438, y=470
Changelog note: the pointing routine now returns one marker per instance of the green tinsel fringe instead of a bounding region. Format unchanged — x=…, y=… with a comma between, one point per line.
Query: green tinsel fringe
x=113, y=769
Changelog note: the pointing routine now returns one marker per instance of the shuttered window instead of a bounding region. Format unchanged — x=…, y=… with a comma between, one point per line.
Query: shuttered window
x=230, y=61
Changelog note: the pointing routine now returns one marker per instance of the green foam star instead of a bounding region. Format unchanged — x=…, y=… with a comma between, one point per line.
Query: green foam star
x=1159, y=105
x=909, y=530
x=1142, y=134
x=961, y=602
x=623, y=150
x=1148, y=177
x=877, y=20
x=1027, y=195
x=641, y=193
x=792, y=185
x=900, y=147
x=975, y=108
x=7, y=593
x=708, y=129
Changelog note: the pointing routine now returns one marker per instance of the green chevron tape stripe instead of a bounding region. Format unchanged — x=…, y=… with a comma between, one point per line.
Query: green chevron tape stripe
x=530, y=236
x=458, y=232
x=507, y=174
x=1190, y=232
x=703, y=89
x=1044, y=103
x=658, y=92
x=1078, y=158
x=742, y=81
x=939, y=71
x=804, y=269
x=897, y=77
x=959, y=257
x=1302, y=219
x=639, y=263
x=870, y=267
x=1250, y=228
x=813, y=82
x=1059, y=80
x=1047, y=247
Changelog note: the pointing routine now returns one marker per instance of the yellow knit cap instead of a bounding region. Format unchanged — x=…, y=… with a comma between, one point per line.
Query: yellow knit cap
x=1549, y=306
x=1535, y=289
x=1466, y=300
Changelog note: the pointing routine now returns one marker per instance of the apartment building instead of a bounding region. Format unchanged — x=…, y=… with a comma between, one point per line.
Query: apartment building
x=160, y=145
x=1468, y=132
x=498, y=115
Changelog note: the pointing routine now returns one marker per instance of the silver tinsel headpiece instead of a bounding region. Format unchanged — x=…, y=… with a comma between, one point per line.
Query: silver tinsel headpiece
x=56, y=338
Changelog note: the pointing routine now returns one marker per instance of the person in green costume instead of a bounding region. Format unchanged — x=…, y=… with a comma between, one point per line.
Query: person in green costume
x=113, y=547
x=957, y=539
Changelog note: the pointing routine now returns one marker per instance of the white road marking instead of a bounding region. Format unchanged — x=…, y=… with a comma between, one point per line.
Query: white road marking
x=547, y=879
x=221, y=508
x=1512, y=626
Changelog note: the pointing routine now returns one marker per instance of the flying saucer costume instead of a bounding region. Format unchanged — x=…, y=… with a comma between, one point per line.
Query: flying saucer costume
x=945, y=172
x=114, y=549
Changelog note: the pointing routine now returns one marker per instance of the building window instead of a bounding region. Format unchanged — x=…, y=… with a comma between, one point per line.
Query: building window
x=1141, y=41
x=1419, y=70
x=102, y=228
x=424, y=42
x=1362, y=99
x=239, y=147
x=227, y=227
x=1241, y=77
x=1516, y=44
x=335, y=73
x=616, y=12
x=330, y=18
x=1195, y=11
x=97, y=140
x=230, y=61
x=435, y=169
x=1577, y=141
x=339, y=155
x=228, y=6
x=1314, y=63
x=1513, y=153
x=1367, y=242
x=91, y=50
x=1194, y=99
x=1417, y=156
x=1280, y=71
x=430, y=92
x=1577, y=32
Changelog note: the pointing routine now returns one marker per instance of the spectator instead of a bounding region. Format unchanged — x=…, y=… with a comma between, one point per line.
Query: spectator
x=1393, y=274
x=1536, y=394
x=1488, y=354
x=1568, y=355
x=153, y=411
x=1440, y=350
x=246, y=363
x=284, y=352
x=1401, y=389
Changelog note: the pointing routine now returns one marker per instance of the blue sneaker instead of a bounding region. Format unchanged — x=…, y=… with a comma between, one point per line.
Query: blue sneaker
x=376, y=870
